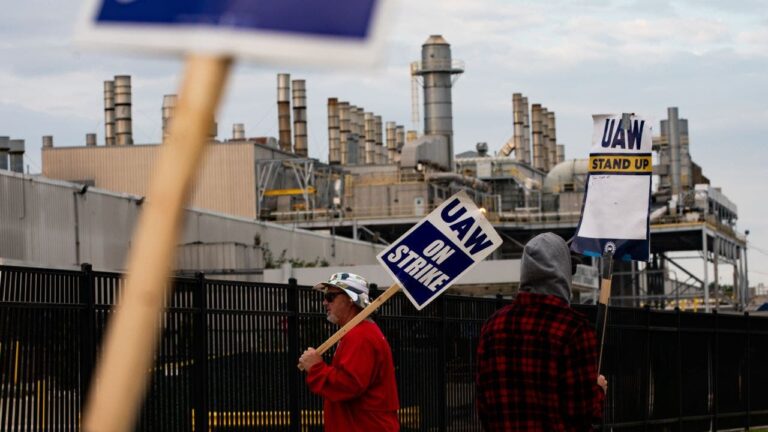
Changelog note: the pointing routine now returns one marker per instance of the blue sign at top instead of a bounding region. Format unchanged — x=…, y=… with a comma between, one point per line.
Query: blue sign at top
x=337, y=18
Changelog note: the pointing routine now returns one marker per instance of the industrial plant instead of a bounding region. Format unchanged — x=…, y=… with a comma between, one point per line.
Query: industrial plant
x=379, y=179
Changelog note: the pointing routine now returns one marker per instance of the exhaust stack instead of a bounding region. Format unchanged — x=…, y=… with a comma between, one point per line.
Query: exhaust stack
x=47, y=141
x=399, y=141
x=299, y=118
x=16, y=155
x=169, y=106
x=674, y=146
x=391, y=141
x=560, y=153
x=377, y=123
x=123, y=121
x=109, y=113
x=284, y=111
x=334, y=150
x=538, y=151
x=552, y=145
x=4, y=147
x=344, y=133
x=370, y=139
x=90, y=140
x=526, y=130
x=545, y=138
x=238, y=131
x=517, y=124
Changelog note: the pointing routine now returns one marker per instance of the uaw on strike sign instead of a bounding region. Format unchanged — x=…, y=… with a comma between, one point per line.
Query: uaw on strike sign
x=438, y=250
x=614, y=218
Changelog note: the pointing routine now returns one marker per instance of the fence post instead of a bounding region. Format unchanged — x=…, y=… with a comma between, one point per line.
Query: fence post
x=647, y=367
x=200, y=353
x=499, y=301
x=679, y=367
x=442, y=390
x=87, y=329
x=293, y=354
x=747, y=372
x=715, y=371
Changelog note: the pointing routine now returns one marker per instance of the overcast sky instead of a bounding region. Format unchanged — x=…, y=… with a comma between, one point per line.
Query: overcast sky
x=579, y=57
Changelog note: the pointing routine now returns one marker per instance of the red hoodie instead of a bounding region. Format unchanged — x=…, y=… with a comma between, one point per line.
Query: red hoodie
x=358, y=388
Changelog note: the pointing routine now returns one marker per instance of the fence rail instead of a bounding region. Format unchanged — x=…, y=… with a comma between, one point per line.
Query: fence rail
x=227, y=356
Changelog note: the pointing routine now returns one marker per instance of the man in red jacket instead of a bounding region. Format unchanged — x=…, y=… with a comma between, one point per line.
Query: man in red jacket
x=537, y=357
x=358, y=387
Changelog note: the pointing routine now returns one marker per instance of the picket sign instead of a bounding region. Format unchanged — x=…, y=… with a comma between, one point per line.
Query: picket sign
x=209, y=33
x=615, y=217
x=431, y=256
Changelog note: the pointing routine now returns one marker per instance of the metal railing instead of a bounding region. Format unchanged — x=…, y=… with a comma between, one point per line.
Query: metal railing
x=227, y=358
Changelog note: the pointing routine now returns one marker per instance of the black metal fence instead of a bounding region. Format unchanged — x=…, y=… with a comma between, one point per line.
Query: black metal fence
x=227, y=358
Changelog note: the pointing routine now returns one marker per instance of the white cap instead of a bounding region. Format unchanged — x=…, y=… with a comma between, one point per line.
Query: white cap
x=356, y=287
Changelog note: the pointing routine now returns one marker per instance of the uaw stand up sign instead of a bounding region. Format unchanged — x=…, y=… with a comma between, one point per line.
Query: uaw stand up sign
x=615, y=215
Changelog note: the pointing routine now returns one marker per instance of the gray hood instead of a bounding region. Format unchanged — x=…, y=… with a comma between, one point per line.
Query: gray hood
x=546, y=267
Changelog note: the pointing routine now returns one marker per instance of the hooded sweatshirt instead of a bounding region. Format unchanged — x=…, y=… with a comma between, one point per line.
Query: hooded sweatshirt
x=546, y=267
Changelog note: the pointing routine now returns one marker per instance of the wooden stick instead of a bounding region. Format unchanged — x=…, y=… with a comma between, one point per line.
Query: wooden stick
x=325, y=346
x=601, y=322
x=121, y=376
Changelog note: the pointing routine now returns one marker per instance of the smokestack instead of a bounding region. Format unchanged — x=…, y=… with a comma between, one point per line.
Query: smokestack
x=353, y=137
x=123, y=125
x=437, y=69
x=391, y=141
x=517, y=126
x=545, y=138
x=109, y=113
x=4, y=147
x=238, y=131
x=370, y=139
x=47, y=141
x=214, y=131
x=90, y=140
x=552, y=145
x=379, y=140
x=16, y=155
x=169, y=106
x=673, y=129
x=360, y=134
x=526, y=131
x=538, y=151
x=334, y=127
x=344, y=132
x=399, y=141
x=560, y=153
x=284, y=111
x=300, y=118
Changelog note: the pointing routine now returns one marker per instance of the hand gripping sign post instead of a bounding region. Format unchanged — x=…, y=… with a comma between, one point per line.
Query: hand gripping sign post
x=210, y=33
x=615, y=217
x=431, y=256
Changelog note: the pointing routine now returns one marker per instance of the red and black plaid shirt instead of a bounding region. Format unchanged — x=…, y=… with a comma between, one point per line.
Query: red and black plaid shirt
x=537, y=368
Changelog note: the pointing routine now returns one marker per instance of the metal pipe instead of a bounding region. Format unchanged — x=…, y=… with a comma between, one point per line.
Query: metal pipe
x=674, y=149
x=538, y=153
x=169, y=106
x=334, y=151
x=391, y=141
x=552, y=144
x=16, y=155
x=472, y=182
x=517, y=126
x=284, y=111
x=90, y=140
x=370, y=139
x=299, y=118
x=47, y=141
x=344, y=133
x=4, y=147
x=526, y=131
x=238, y=131
x=109, y=113
x=545, y=139
x=123, y=121
x=380, y=159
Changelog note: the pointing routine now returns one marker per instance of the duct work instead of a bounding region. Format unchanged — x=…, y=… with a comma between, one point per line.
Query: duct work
x=123, y=122
x=16, y=155
x=284, y=111
x=299, y=118
x=334, y=151
x=238, y=131
x=90, y=140
x=4, y=147
x=344, y=132
x=169, y=106
x=47, y=141
x=109, y=113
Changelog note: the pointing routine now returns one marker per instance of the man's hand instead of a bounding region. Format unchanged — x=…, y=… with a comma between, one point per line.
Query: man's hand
x=311, y=358
x=603, y=383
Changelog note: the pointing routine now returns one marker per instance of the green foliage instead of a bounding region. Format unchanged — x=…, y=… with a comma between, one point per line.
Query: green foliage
x=272, y=262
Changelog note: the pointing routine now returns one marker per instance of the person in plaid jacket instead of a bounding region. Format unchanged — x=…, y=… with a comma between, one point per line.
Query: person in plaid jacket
x=537, y=357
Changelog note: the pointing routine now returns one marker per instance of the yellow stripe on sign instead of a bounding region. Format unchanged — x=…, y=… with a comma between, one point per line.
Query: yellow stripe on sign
x=621, y=164
x=283, y=192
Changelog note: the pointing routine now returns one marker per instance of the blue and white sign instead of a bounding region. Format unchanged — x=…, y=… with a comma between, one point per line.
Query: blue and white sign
x=439, y=249
x=616, y=210
x=301, y=31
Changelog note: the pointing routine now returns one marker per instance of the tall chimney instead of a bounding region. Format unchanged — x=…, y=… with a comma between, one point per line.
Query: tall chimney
x=360, y=125
x=344, y=132
x=560, y=153
x=391, y=141
x=526, y=131
x=399, y=141
x=123, y=126
x=16, y=155
x=370, y=139
x=47, y=141
x=334, y=127
x=4, y=147
x=299, y=118
x=538, y=151
x=545, y=138
x=437, y=69
x=90, y=140
x=517, y=126
x=552, y=145
x=238, y=131
x=353, y=137
x=674, y=150
x=284, y=111
x=377, y=125
x=169, y=106
x=109, y=113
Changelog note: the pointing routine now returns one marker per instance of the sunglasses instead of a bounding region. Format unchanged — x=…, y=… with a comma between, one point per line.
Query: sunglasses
x=331, y=296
